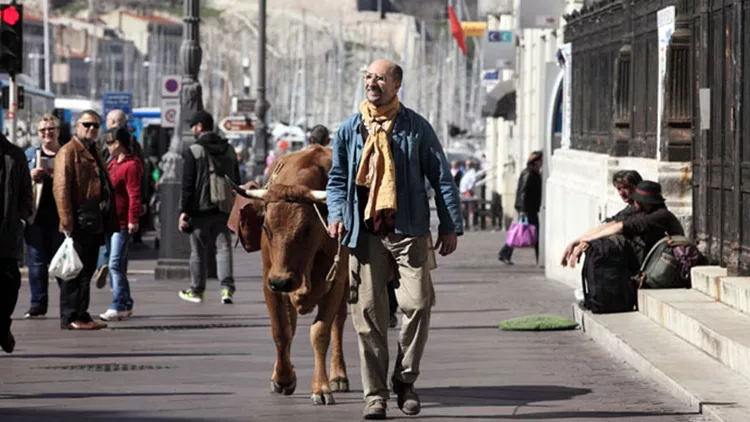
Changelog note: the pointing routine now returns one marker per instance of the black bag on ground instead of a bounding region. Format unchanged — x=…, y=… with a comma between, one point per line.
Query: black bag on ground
x=607, y=276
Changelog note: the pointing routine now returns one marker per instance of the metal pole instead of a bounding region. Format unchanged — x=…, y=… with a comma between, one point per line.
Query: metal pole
x=304, y=73
x=175, y=250
x=47, y=77
x=261, y=106
x=13, y=109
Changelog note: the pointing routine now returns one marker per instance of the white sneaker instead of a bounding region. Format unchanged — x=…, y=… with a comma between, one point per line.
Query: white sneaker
x=115, y=315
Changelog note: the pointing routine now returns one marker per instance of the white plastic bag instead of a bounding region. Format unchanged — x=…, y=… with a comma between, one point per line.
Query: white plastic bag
x=66, y=264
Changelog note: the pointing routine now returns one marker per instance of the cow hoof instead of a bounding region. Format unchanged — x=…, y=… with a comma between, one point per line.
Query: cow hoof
x=322, y=398
x=285, y=390
x=340, y=384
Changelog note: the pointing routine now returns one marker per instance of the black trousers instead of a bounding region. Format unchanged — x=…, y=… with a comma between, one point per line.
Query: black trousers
x=507, y=252
x=10, y=284
x=75, y=293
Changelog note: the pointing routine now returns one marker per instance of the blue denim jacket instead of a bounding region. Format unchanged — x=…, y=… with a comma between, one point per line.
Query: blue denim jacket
x=418, y=155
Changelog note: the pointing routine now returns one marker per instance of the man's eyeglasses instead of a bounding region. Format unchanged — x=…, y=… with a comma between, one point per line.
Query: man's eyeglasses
x=47, y=129
x=89, y=125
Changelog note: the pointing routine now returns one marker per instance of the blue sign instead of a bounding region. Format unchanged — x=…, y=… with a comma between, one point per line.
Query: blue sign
x=117, y=101
x=492, y=76
x=500, y=36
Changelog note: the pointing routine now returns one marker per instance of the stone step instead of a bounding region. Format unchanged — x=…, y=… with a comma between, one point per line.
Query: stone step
x=713, y=281
x=688, y=373
x=715, y=328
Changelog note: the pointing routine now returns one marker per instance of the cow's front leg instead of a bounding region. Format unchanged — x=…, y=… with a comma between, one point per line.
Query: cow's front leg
x=284, y=379
x=338, y=378
x=320, y=338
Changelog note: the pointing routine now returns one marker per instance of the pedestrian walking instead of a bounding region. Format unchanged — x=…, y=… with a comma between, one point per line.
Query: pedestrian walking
x=43, y=237
x=15, y=209
x=85, y=204
x=117, y=118
x=125, y=173
x=528, y=201
x=378, y=207
x=206, y=162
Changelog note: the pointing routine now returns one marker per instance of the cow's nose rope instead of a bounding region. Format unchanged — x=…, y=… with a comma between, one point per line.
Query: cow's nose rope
x=335, y=267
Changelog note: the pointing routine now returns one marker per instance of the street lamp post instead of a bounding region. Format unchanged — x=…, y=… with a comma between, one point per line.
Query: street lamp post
x=174, y=249
x=261, y=105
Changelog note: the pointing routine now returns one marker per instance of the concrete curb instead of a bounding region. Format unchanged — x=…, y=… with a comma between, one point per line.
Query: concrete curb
x=595, y=326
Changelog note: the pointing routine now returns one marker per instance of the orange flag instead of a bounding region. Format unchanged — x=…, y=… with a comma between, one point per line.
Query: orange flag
x=456, y=29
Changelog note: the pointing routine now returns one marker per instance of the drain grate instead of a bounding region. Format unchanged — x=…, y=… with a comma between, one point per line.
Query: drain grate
x=187, y=327
x=108, y=367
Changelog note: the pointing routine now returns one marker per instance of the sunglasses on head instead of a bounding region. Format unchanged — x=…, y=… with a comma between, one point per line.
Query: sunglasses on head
x=89, y=125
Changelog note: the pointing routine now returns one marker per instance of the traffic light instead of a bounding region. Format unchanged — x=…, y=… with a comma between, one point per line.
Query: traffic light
x=11, y=38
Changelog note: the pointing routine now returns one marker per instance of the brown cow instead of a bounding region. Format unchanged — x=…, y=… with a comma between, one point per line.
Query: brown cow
x=297, y=256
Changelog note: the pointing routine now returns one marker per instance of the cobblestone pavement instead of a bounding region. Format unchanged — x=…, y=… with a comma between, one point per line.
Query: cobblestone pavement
x=177, y=361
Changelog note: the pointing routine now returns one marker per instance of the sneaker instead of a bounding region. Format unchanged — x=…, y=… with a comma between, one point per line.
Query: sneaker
x=34, y=313
x=407, y=398
x=226, y=297
x=101, y=275
x=374, y=410
x=115, y=315
x=191, y=295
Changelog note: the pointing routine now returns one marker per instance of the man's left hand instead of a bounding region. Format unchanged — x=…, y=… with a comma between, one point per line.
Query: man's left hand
x=447, y=243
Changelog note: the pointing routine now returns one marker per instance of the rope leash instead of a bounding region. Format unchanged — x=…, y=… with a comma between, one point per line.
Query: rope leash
x=335, y=267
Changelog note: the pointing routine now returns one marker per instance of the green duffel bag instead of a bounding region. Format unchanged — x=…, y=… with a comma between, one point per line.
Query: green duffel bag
x=660, y=269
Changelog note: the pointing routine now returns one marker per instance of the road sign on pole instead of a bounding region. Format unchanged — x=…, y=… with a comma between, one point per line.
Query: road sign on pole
x=169, y=108
x=117, y=101
x=170, y=86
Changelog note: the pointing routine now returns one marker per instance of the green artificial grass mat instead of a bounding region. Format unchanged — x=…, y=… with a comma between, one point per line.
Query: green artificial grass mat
x=538, y=323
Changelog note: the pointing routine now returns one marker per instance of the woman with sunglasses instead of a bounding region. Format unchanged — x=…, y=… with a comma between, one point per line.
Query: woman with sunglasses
x=126, y=173
x=42, y=235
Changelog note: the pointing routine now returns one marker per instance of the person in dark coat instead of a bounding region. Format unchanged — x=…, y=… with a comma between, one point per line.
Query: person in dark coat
x=528, y=201
x=16, y=202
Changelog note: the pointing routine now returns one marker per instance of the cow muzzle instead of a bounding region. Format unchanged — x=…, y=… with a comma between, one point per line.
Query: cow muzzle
x=281, y=285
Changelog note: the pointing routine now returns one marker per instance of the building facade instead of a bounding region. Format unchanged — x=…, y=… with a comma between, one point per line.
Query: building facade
x=633, y=91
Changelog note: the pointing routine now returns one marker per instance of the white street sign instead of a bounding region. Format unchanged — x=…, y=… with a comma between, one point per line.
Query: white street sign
x=169, y=109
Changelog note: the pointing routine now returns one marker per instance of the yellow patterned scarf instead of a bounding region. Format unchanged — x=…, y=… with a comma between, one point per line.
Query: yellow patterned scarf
x=377, y=170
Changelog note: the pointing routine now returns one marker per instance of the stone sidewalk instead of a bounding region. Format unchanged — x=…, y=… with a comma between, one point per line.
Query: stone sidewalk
x=177, y=361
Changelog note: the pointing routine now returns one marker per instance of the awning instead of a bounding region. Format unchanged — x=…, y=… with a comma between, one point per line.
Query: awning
x=501, y=101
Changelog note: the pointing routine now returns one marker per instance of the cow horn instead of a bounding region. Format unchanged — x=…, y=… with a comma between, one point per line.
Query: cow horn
x=247, y=193
x=318, y=195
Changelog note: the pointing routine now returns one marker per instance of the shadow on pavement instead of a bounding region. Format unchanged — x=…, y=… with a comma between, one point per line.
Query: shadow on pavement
x=116, y=355
x=75, y=415
x=519, y=396
x=90, y=395
x=506, y=395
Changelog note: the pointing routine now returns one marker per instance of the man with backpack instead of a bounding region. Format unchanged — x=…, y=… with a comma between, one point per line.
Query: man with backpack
x=207, y=200
x=650, y=223
x=615, y=254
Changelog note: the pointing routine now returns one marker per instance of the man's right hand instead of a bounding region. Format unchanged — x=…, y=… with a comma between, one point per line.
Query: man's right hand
x=568, y=252
x=183, y=222
x=37, y=174
x=336, y=229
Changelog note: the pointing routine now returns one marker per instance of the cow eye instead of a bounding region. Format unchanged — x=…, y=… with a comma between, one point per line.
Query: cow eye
x=306, y=231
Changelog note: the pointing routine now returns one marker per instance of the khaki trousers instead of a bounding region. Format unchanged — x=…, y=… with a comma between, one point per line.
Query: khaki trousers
x=370, y=264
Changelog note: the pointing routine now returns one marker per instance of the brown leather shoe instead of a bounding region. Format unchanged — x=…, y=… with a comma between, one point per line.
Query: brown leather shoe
x=98, y=325
x=90, y=325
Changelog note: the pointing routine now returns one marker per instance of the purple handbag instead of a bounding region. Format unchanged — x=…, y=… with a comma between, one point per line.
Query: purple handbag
x=521, y=234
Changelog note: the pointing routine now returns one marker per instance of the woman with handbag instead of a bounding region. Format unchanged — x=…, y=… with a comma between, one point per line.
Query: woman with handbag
x=528, y=203
x=125, y=173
